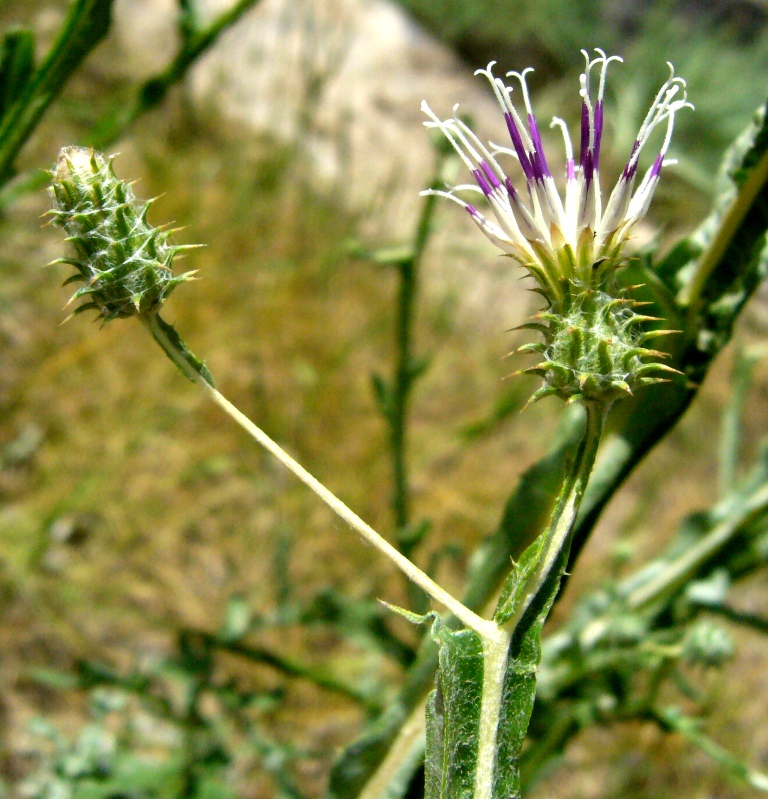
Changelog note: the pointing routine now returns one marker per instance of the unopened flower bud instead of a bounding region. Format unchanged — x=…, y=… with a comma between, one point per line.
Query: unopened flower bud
x=124, y=263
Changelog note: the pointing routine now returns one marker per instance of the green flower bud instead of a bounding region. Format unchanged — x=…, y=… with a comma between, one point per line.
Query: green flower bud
x=124, y=263
x=593, y=348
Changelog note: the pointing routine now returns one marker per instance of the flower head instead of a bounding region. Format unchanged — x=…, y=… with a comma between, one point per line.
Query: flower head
x=125, y=264
x=578, y=237
x=570, y=245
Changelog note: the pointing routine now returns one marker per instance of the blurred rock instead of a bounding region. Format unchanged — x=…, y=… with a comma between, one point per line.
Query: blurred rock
x=344, y=80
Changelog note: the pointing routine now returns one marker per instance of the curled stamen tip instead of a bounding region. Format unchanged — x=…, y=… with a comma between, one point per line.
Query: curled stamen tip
x=488, y=71
x=520, y=75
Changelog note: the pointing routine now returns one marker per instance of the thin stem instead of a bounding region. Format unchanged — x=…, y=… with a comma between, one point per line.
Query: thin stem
x=730, y=430
x=405, y=373
x=183, y=359
x=115, y=123
x=705, y=549
x=691, y=295
x=564, y=515
x=86, y=25
x=291, y=668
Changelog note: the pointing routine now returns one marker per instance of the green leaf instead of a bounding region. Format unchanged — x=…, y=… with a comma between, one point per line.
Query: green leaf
x=413, y=534
x=58, y=680
x=17, y=63
x=382, y=392
x=181, y=349
x=515, y=585
x=671, y=718
x=86, y=24
x=237, y=619
x=417, y=366
x=453, y=715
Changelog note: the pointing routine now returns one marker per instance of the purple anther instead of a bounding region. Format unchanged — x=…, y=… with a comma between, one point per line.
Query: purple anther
x=571, y=169
x=584, y=134
x=538, y=147
x=490, y=174
x=588, y=167
x=598, y=130
x=631, y=167
x=518, y=144
x=485, y=187
x=511, y=190
x=471, y=210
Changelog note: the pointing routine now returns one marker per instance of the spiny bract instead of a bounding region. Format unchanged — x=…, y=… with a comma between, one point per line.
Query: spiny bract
x=593, y=349
x=124, y=262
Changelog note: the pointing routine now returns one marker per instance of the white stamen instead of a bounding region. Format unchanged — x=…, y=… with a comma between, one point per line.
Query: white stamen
x=560, y=123
x=604, y=71
x=438, y=123
x=521, y=77
x=497, y=148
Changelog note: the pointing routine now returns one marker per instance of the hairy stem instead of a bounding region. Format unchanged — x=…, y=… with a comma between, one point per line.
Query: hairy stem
x=191, y=368
x=551, y=565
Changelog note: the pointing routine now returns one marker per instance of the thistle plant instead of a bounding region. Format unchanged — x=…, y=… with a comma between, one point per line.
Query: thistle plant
x=593, y=353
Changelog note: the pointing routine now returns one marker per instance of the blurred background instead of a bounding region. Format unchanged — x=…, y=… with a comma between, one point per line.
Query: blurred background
x=136, y=521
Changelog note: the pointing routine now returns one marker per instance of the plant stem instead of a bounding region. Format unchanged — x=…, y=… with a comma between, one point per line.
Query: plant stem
x=115, y=123
x=86, y=25
x=553, y=559
x=292, y=668
x=190, y=367
x=563, y=518
x=495, y=638
x=730, y=430
x=404, y=376
x=695, y=556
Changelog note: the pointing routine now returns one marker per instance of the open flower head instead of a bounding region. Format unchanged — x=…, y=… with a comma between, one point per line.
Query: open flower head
x=570, y=244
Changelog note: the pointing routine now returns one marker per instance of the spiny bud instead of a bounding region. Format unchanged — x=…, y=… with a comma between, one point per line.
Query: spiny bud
x=593, y=349
x=124, y=262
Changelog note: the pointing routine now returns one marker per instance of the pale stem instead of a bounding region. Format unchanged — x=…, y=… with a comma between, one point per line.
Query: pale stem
x=483, y=627
x=495, y=639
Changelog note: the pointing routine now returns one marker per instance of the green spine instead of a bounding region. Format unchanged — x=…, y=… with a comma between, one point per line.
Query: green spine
x=593, y=348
